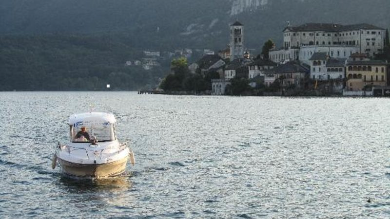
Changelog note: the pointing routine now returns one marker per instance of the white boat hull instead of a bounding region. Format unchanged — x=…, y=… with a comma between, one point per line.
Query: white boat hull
x=94, y=170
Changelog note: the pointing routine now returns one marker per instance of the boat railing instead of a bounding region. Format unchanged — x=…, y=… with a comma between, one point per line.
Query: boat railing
x=70, y=149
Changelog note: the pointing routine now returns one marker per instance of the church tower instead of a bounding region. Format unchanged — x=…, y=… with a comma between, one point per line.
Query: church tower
x=236, y=41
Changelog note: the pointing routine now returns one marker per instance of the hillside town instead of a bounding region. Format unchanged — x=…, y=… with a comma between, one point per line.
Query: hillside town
x=316, y=59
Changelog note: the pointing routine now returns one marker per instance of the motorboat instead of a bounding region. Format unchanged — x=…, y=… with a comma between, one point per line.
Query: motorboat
x=93, y=149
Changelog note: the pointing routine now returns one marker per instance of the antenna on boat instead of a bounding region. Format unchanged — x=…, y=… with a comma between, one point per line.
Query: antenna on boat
x=90, y=108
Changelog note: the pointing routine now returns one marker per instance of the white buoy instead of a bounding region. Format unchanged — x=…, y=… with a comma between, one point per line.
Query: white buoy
x=108, y=86
x=132, y=159
x=54, y=161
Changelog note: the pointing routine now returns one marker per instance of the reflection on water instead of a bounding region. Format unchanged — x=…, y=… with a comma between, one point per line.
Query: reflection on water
x=79, y=185
x=203, y=157
x=94, y=194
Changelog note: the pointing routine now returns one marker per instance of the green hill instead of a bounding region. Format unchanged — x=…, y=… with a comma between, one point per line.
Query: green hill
x=46, y=44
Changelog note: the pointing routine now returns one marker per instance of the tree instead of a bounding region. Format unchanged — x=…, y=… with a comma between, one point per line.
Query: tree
x=385, y=55
x=171, y=83
x=239, y=86
x=210, y=76
x=275, y=86
x=180, y=68
x=194, y=83
x=266, y=48
x=179, y=63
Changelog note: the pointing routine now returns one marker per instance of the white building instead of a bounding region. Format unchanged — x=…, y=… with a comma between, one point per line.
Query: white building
x=269, y=78
x=339, y=52
x=368, y=38
x=152, y=53
x=219, y=86
x=236, y=68
x=323, y=67
x=339, y=41
x=258, y=67
x=284, y=55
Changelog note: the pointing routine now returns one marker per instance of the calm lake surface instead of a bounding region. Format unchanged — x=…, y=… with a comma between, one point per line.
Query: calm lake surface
x=202, y=157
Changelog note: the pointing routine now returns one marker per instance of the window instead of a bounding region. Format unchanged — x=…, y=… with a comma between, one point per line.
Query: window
x=314, y=69
x=383, y=78
x=364, y=78
x=383, y=70
x=376, y=69
x=304, y=34
x=316, y=34
x=376, y=77
x=373, y=43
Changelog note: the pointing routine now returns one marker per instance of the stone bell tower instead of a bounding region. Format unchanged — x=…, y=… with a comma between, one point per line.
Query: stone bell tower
x=236, y=41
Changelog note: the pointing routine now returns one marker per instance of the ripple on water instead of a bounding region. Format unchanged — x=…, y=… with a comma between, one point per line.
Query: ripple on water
x=177, y=163
x=203, y=157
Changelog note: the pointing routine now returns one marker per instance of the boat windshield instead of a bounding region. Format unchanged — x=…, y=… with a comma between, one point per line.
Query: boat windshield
x=85, y=132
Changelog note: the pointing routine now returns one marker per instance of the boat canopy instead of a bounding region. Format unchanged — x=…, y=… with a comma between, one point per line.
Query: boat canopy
x=92, y=117
x=99, y=126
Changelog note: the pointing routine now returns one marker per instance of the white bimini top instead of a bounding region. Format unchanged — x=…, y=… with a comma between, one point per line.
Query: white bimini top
x=92, y=117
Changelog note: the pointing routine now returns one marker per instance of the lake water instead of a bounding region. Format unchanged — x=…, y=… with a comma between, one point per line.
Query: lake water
x=202, y=157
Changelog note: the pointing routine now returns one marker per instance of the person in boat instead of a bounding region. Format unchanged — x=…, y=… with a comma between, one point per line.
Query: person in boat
x=83, y=133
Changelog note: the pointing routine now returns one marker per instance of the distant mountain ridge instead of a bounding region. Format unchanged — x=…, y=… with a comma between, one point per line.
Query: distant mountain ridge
x=168, y=24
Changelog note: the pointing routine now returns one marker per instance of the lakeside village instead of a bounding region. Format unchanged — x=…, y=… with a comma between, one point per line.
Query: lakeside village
x=317, y=59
